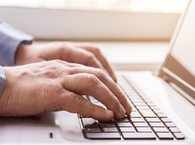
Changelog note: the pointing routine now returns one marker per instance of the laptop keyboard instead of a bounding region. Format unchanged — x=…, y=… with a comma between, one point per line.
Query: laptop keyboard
x=146, y=122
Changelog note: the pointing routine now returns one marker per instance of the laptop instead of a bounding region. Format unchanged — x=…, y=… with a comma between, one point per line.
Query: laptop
x=163, y=106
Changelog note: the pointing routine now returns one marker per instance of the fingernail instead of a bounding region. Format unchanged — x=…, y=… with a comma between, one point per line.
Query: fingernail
x=122, y=111
x=114, y=78
x=128, y=108
x=109, y=113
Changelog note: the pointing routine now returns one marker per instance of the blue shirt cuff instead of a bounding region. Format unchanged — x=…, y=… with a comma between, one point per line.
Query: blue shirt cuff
x=10, y=38
x=2, y=80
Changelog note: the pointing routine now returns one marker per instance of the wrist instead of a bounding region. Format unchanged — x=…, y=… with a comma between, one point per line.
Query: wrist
x=21, y=54
x=5, y=95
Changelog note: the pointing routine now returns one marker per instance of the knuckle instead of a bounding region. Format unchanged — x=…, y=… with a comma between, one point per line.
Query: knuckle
x=58, y=44
x=55, y=69
x=78, y=101
x=96, y=50
x=92, y=79
x=90, y=56
x=56, y=61
x=100, y=74
x=116, y=104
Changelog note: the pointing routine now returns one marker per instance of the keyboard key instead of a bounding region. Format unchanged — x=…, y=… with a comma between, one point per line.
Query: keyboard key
x=167, y=120
x=103, y=135
x=135, y=115
x=141, y=93
x=140, y=104
x=154, y=108
x=162, y=115
x=137, y=120
x=145, y=97
x=107, y=124
x=148, y=100
x=153, y=120
x=175, y=130
x=158, y=111
x=81, y=116
x=131, y=93
x=138, y=101
x=165, y=136
x=179, y=136
x=92, y=130
x=140, y=124
x=148, y=114
x=110, y=129
x=125, y=124
x=127, y=129
x=133, y=109
x=143, y=108
x=122, y=120
x=89, y=123
x=156, y=124
x=151, y=104
x=170, y=125
x=144, y=130
x=85, y=96
x=144, y=136
x=161, y=130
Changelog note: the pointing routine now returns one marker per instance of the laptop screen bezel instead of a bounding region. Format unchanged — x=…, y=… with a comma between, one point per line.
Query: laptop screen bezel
x=166, y=74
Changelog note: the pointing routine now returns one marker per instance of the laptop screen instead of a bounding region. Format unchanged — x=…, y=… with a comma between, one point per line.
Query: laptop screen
x=180, y=63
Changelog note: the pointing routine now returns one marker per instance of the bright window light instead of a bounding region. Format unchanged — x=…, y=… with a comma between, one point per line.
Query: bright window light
x=154, y=6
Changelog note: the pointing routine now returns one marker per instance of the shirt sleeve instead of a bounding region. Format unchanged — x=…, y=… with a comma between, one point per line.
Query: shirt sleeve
x=2, y=80
x=10, y=38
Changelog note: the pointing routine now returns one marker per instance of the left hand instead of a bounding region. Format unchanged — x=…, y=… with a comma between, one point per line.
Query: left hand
x=71, y=52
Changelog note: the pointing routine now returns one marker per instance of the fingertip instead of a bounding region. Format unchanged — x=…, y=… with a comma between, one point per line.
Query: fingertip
x=106, y=116
x=128, y=109
x=114, y=77
x=109, y=113
x=102, y=114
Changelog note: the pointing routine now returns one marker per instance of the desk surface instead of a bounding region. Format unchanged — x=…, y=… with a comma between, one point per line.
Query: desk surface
x=134, y=55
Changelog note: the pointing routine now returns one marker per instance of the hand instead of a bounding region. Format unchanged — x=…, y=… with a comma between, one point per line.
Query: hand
x=71, y=52
x=57, y=85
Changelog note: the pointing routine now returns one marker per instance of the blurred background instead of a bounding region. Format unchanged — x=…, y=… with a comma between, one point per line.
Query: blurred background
x=163, y=6
x=94, y=19
x=132, y=34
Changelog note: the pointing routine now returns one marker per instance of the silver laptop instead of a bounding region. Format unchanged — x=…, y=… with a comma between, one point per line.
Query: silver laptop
x=163, y=106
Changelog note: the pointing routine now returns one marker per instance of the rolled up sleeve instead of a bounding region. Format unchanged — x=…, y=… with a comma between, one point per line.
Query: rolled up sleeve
x=10, y=38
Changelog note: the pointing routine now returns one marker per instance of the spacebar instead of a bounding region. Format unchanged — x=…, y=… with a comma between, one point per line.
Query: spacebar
x=103, y=136
x=145, y=136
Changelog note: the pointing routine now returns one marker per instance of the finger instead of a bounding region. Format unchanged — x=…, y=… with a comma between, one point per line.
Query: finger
x=75, y=103
x=96, y=51
x=88, y=84
x=112, y=86
x=84, y=57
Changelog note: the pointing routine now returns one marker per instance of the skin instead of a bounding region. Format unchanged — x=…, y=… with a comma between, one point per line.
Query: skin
x=54, y=76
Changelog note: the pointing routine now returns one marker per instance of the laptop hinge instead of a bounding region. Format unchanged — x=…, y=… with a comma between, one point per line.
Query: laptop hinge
x=181, y=92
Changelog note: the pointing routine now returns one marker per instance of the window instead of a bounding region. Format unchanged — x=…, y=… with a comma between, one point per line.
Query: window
x=164, y=6
x=94, y=19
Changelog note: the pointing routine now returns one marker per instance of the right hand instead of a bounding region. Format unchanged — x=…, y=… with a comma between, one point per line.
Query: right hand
x=57, y=85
